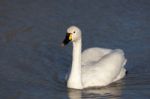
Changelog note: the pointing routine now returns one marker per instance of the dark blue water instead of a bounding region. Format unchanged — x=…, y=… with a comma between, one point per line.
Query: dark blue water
x=33, y=65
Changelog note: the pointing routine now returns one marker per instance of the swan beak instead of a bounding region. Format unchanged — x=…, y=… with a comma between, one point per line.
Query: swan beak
x=67, y=39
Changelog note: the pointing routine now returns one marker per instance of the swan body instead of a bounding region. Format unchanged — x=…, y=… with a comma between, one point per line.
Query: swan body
x=94, y=66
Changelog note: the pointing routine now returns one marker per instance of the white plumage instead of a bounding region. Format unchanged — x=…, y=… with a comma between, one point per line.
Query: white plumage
x=94, y=66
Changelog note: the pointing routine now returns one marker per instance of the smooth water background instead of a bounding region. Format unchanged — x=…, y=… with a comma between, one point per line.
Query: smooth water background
x=33, y=65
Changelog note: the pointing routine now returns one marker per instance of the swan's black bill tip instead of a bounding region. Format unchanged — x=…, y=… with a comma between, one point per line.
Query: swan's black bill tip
x=66, y=40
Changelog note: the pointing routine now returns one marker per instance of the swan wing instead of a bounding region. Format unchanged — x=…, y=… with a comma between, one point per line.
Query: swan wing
x=108, y=69
x=92, y=55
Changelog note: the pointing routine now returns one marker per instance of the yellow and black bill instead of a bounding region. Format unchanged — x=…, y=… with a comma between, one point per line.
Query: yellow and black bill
x=67, y=39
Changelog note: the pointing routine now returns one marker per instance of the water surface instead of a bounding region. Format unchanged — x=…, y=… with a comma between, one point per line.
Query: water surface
x=33, y=65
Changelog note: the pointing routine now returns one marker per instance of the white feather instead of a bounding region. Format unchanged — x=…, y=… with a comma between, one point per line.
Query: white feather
x=94, y=66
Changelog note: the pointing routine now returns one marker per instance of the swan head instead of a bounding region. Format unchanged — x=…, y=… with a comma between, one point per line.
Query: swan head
x=73, y=34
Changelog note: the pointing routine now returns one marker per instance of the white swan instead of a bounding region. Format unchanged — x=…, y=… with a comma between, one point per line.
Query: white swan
x=95, y=66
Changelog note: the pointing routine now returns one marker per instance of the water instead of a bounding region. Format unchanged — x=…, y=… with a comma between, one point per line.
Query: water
x=33, y=65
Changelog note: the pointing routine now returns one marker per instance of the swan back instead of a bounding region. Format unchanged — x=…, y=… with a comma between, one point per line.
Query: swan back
x=109, y=68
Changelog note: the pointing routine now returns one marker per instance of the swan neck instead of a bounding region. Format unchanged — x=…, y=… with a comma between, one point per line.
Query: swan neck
x=77, y=55
x=75, y=75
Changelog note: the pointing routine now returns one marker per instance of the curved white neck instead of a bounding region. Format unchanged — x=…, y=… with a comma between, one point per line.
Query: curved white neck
x=74, y=80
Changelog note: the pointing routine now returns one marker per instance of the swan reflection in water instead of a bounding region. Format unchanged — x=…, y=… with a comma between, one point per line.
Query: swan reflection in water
x=114, y=90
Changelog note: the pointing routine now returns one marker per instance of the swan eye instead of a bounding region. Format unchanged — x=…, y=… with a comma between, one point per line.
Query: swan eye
x=74, y=32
